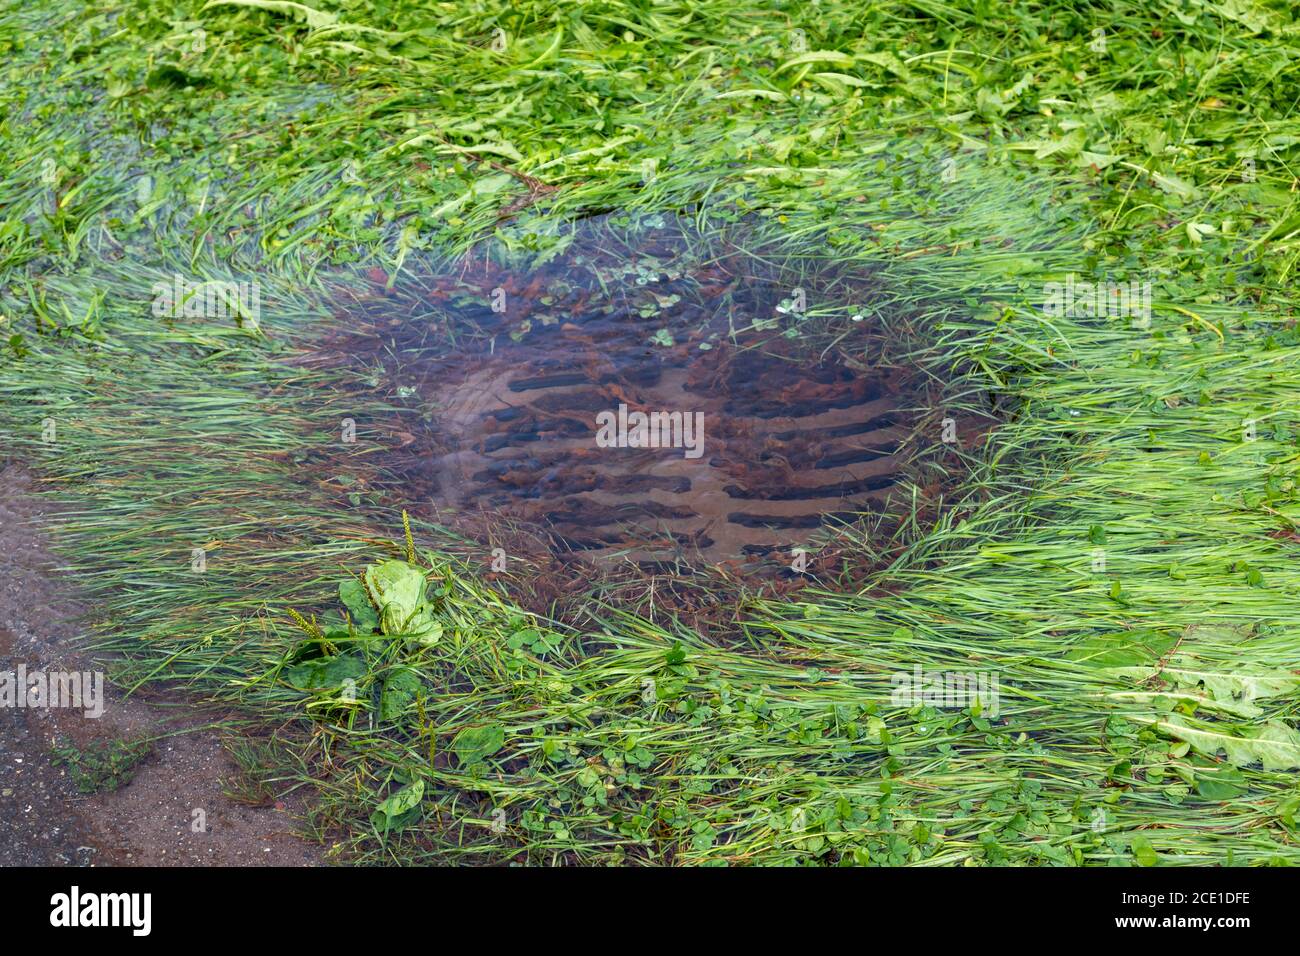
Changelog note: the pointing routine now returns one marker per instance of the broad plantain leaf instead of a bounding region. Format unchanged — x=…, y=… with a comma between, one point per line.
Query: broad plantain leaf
x=1123, y=649
x=397, y=589
x=325, y=674
x=1275, y=745
x=399, y=809
x=1223, y=784
x=354, y=597
x=1232, y=692
x=475, y=743
x=400, y=688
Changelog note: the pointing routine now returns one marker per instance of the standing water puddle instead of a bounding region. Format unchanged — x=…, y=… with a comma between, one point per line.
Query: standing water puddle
x=651, y=452
x=642, y=396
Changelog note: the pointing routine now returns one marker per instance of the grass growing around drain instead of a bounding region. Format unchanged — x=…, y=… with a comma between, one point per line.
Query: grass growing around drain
x=1124, y=563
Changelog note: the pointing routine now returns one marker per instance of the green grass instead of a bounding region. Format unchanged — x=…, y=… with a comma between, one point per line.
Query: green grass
x=1122, y=554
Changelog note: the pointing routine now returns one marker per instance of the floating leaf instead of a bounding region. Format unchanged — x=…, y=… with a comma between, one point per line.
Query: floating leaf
x=400, y=689
x=476, y=743
x=325, y=674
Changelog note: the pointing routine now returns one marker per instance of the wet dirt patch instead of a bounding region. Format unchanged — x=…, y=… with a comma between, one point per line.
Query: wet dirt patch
x=641, y=397
x=44, y=819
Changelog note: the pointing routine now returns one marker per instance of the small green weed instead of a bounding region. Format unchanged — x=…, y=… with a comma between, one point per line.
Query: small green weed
x=104, y=765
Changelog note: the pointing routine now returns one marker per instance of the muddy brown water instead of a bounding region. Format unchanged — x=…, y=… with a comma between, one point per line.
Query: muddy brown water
x=620, y=451
x=643, y=397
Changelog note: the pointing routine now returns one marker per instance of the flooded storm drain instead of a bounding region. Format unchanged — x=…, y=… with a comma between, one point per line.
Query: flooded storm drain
x=654, y=455
x=641, y=398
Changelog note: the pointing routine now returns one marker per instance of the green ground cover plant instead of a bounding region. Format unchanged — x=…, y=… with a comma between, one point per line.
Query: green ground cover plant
x=102, y=764
x=1119, y=559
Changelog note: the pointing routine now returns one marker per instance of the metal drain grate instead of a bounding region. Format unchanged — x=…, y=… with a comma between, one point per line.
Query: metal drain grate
x=786, y=447
x=503, y=378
